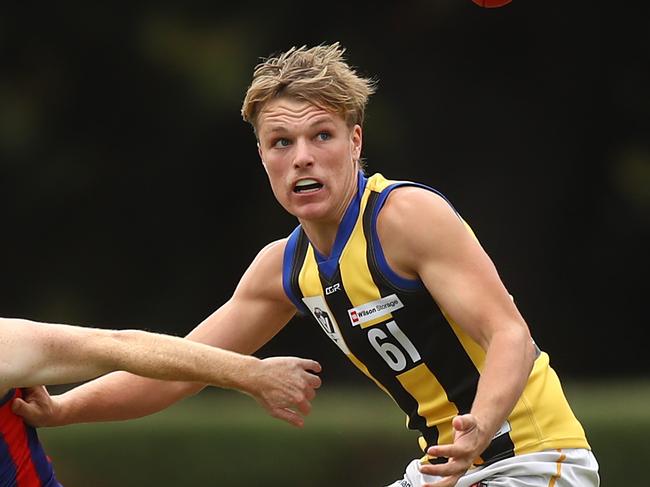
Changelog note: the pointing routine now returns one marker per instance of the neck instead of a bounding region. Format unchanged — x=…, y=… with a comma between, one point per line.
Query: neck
x=322, y=233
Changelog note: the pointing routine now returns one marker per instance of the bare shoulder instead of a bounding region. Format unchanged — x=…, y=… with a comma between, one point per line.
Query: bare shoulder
x=263, y=278
x=416, y=223
x=268, y=261
x=410, y=210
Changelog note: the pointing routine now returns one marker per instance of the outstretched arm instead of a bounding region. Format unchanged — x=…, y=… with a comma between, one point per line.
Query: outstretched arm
x=43, y=353
x=256, y=312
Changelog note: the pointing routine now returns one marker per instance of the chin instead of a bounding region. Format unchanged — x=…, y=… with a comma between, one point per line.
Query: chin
x=309, y=212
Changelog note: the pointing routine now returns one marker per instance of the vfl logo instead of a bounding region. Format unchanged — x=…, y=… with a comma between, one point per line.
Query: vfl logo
x=332, y=289
x=326, y=319
x=323, y=320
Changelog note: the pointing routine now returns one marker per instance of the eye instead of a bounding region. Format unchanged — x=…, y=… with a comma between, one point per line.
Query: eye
x=281, y=142
x=323, y=136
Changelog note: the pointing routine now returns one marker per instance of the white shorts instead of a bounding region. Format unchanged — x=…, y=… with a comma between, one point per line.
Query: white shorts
x=551, y=468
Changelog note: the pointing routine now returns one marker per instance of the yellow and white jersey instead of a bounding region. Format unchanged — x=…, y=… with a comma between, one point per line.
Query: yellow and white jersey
x=395, y=333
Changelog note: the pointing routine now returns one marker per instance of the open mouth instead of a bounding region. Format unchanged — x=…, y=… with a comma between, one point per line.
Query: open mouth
x=307, y=186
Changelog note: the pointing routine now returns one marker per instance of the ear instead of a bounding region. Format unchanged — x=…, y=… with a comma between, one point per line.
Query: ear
x=357, y=141
x=259, y=151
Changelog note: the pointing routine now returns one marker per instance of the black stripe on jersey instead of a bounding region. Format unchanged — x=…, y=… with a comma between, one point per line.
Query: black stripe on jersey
x=499, y=448
x=297, y=261
x=357, y=341
x=428, y=329
x=408, y=404
x=435, y=340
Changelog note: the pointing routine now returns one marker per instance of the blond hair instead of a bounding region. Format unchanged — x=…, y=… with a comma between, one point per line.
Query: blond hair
x=319, y=75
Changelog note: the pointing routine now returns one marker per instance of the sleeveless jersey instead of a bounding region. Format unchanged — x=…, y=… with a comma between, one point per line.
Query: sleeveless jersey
x=23, y=462
x=395, y=333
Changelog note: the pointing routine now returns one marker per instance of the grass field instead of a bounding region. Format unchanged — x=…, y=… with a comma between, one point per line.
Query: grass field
x=223, y=438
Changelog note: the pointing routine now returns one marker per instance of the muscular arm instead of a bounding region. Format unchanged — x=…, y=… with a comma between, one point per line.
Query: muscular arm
x=256, y=312
x=43, y=353
x=423, y=237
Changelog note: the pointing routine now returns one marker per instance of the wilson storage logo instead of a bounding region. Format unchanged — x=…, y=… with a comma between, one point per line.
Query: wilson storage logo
x=374, y=309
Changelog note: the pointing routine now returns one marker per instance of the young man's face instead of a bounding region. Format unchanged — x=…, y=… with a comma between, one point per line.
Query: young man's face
x=310, y=156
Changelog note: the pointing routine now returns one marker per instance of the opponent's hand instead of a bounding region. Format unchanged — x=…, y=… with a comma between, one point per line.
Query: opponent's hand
x=36, y=407
x=285, y=386
x=467, y=446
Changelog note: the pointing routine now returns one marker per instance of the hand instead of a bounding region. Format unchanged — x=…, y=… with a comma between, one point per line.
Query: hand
x=284, y=386
x=467, y=446
x=36, y=407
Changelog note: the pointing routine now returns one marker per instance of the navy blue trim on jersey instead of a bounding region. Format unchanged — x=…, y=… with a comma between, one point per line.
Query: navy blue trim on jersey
x=392, y=277
x=287, y=268
x=8, y=470
x=328, y=265
x=39, y=460
x=7, y=397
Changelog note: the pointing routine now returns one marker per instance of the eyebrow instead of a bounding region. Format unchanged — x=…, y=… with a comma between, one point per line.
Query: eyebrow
x=321, y=119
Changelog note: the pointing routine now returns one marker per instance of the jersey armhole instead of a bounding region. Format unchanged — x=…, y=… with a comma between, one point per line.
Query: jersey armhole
x=389, y=274
x=288, y=265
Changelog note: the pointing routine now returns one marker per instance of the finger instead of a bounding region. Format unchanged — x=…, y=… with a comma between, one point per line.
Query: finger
x=312, y=365
x=464, y=423
x=310, y=394
x=34, y=392
x=445, y=482
x=446, y=451
x=304, y=407
x=18, y=406
x=314, y=381
x=24, y=409
x=439, y=470
x=289, y=416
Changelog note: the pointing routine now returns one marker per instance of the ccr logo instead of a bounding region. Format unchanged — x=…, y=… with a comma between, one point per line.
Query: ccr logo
x=332, y=289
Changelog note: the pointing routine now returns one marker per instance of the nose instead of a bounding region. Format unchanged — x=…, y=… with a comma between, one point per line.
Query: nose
x=303, y=156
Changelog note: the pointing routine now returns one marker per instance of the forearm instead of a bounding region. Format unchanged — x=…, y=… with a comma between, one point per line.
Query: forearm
x=508, y=363
x=173, y=358
x=42, y=353
x=118, y=396
x=175, y=368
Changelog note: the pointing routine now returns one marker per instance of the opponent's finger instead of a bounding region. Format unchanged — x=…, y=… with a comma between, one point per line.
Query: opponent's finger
x=289, y=416
x=24, y=409
x=310, y=393
x=18, y=406
x=314, y=381
x=312, y=365
x=304, y=407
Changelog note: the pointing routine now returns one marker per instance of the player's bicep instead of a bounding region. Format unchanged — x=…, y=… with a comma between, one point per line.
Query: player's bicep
x=427, y=238
x=464, y=281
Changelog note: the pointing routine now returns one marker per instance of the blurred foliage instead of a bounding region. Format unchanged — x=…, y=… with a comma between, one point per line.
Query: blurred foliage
x=353, y=435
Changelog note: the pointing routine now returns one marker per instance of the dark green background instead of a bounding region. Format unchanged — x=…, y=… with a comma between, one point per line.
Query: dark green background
x=354, y=437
